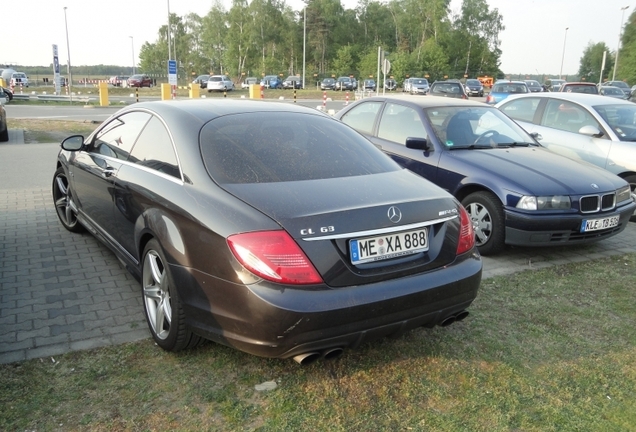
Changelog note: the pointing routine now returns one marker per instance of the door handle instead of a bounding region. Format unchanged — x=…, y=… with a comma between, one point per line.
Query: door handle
x=108, y=172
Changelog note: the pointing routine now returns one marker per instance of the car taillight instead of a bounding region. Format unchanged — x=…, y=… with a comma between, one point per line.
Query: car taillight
x=275, y=256
x=466, y=232
x=489, y=99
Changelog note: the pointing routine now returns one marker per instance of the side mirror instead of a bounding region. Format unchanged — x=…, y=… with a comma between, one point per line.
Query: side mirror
x=418, y=144
x=73, y=143
x=536, y=135
x=591, y=131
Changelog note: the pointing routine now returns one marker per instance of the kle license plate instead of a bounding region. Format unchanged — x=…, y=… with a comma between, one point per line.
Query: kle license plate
x=599, y=224
x=388, y=246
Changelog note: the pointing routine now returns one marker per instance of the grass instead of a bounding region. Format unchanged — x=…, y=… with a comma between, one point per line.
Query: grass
x=50, y=131
x=544, y=350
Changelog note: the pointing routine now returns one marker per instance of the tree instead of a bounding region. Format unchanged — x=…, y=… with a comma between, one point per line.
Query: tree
x=627, y=55
x=591, y=61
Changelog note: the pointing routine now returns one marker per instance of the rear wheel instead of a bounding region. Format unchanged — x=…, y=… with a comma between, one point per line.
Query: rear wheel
x=486, y=214
x=64, y=203
x=164, y=313
x=4, y=135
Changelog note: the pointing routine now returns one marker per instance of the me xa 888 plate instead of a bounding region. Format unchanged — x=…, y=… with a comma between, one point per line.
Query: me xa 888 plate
x=388, y=246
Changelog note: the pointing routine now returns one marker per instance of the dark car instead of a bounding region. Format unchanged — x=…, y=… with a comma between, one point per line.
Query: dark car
x=202, y=80
x=451, y=89
x=328, y=84
x=4, y=129
x=292, y=82
x=515, y=191
x=474, y=87
x=268, y=227
x=272, y=82
x=140, y=80
x=369, y=85
x=534, y=86
x=390, y=84
x=612, y=91
x=620, y=84
x=8, y=94
x=344, y=83
x=579, y=87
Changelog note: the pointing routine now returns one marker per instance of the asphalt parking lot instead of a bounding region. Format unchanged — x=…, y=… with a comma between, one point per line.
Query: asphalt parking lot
x=63, y=292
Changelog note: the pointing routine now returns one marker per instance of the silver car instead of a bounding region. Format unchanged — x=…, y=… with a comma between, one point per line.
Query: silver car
x=219, y=83
x=586, y=127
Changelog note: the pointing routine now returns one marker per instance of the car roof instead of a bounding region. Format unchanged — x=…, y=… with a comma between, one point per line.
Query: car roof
x=584, y=83
x=429, y=101
x=581, y=98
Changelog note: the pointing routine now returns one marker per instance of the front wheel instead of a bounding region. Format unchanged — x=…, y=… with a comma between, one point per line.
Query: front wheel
x=486, y=214
x=164, y=313
x=64, y=203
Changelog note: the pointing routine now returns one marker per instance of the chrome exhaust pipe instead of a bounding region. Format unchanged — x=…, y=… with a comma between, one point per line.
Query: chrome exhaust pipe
x=460, y=316
x=447, y=321
x=307, y=358
x=333, y=353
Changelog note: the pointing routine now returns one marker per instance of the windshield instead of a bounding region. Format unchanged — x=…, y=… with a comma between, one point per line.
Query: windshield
x=420, y=81
x=613, y=91
x=581, y=88
x=473, y=82
x=533, y=83
x=476, y=127
x=510, y=88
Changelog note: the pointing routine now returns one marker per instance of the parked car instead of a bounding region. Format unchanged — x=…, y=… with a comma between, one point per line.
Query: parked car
x=344, y=83
x=515, y=191
x=292, y=82
x=502, y=89
x=219, y=83
x=8, y=94
x=406, y=85
x=620, y=84
x=614, y=92
x=553, y=85
x=451, y=89
x=4, y=129
x=202, y=80
x=328, y=84
x=418, y=86
x=140, y=80
x=590, y=128
x=534, y=86
x=272, y=82
x=474, y=87
x=390, y=84
x=118, y=80
x=247, y=82
x=237, y=218
x=19, y=79
x=579, y=87
x=369, y=85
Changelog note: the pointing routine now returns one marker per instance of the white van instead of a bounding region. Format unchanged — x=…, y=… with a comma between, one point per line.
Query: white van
x=19, y=79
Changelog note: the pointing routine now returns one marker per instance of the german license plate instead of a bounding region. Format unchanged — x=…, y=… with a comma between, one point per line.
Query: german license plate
x=388, y=246
x=599, y=224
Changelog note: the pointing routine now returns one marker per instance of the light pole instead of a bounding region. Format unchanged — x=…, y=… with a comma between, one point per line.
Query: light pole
x=563, y=56
x=68, y=51
x=618, y=47
x=132, y=46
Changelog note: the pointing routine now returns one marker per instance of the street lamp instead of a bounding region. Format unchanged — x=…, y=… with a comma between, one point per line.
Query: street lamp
x=68, y=51
x=563, y=56
x=618, y=47
x=132, y=46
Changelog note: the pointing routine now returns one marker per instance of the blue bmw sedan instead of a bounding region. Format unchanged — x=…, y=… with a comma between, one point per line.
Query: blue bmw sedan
x=515, y=191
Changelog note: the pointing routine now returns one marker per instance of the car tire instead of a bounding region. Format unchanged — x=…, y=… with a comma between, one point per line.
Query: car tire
x=162, y=306
x=487, y=216
x=631, y=179
x=64, y=203
x=4, y=135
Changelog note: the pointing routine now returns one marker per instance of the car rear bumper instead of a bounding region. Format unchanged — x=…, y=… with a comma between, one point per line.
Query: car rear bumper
x=270, y=320
x=554, y=230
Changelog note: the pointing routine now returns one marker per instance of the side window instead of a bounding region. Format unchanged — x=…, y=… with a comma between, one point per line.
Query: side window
x=399, y=122
x=118, y=136
x=521, y=109
x=567, y=116
x=362, y=117
x=154, y=149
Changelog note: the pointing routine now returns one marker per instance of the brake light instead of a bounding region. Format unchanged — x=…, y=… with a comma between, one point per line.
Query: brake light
x=275, y=256
x=466, y=232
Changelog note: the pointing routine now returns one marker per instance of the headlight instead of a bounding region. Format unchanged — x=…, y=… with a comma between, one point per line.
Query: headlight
x=555, y=202
x=623, y=194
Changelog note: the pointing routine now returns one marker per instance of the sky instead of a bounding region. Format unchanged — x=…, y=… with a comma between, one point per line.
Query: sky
x=100, y=32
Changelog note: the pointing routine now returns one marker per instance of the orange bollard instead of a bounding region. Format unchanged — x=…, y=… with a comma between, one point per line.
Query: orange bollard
x=262, y=93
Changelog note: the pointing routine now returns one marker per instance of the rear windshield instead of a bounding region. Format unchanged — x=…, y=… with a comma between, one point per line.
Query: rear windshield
x=509, y=88
x=581, y=88
x=282, y=146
